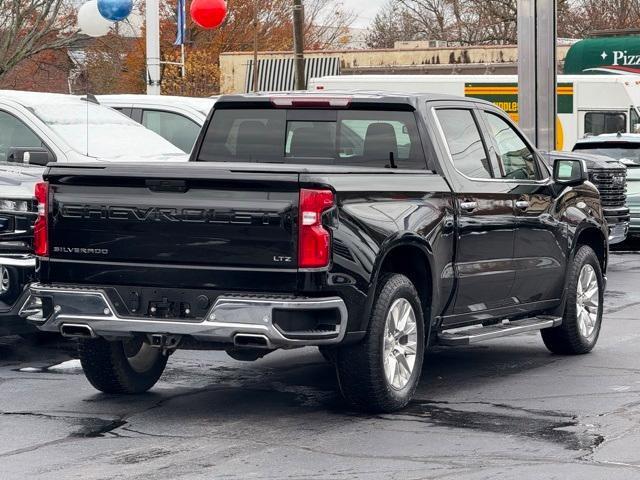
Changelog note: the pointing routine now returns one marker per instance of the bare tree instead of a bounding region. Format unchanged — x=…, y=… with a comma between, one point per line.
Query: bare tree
x=29, y=27
x=393, y=23
x=589, y=15
x=326, y=23
x=488, y=22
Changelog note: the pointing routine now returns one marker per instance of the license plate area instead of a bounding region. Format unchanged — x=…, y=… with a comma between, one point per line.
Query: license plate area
x=175, y=304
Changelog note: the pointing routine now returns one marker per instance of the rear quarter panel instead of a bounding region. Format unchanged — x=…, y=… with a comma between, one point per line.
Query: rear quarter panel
x=376, y=213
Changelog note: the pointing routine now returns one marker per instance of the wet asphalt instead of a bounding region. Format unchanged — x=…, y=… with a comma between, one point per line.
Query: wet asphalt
x=502, y=409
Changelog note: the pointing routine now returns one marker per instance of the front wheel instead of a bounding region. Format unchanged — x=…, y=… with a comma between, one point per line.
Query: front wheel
x=9, y=290
x=381, y=373
x=130, y=366
x=583, y=313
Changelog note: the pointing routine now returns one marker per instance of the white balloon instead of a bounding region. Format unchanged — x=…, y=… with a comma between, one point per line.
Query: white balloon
x=91, y=22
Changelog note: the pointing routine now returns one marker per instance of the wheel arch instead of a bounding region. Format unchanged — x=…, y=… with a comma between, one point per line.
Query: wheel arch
x=593, y=237
x=410, y=256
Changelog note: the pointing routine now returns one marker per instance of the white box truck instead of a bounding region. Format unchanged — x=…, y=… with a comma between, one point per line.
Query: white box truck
x=587, y=104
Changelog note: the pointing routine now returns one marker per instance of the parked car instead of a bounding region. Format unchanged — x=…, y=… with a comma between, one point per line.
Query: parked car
x=178, y=119
x=610, y=177
x=370, y=225
x=624, y=148
x=38, y=128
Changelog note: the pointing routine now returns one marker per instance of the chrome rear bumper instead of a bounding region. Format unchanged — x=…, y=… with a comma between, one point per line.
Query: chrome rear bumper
x=230, y=317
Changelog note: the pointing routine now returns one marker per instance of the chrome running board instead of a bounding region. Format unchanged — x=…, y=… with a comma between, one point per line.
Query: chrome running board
x=475, y=333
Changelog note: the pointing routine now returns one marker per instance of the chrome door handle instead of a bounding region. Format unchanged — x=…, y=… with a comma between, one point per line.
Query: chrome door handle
x=522, y=204
x=469, y=206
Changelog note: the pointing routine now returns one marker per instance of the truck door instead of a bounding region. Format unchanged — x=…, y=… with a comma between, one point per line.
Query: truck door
x=540, y=240
x=483, y=269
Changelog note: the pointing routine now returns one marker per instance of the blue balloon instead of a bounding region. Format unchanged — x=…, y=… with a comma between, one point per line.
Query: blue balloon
x=115, y=10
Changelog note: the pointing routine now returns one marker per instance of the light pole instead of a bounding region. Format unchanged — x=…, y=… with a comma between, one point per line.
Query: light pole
x=255, y=46
x=298, y=44
x=537, y=71
x=152, y=16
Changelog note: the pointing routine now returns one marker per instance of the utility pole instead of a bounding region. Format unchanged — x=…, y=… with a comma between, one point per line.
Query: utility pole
x=255, y=46
x=152, y=14
x=298, y=44
x=537, y=71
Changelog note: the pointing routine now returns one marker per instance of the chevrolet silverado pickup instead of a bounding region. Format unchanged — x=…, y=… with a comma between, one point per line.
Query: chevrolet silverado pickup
x=372, y=226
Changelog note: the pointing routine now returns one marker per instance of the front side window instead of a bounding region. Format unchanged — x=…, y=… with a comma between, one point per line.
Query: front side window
x=597, y=123
x=465, y=144
x=179, y=130
x=517, y=161
x=13, y=134
x=348, y=138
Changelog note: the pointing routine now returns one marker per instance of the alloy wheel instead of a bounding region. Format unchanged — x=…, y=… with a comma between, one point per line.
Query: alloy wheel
x=587, y=301
x=400, y=343
x=140, y=355
x=5, y=280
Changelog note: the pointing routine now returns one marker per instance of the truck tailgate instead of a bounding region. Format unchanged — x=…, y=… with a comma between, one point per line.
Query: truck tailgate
x=184, y=217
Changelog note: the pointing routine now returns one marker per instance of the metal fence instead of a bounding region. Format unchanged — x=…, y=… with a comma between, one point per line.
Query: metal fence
x=277, y=74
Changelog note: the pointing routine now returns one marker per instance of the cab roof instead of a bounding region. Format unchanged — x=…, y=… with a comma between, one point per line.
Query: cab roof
x=361, y=98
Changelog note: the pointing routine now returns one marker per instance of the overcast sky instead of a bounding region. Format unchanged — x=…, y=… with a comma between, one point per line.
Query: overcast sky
x=365, y=9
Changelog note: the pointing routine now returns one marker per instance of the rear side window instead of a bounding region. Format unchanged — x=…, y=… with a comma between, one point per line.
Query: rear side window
x=344, y=137
x=179, y=130
x=465, y=143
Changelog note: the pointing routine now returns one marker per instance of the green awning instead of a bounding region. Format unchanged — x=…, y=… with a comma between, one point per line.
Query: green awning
x=608, y=55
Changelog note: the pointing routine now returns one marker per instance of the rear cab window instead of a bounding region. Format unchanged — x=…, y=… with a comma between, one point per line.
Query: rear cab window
x=360, y=138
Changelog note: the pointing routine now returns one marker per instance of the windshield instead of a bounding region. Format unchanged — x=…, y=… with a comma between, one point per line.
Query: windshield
x=98, y=131
x=615, y=150
x=320, y=137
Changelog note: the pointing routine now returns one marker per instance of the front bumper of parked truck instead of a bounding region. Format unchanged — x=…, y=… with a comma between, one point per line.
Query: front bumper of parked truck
x=618, y=221
x=256, y=321
x=19, y=268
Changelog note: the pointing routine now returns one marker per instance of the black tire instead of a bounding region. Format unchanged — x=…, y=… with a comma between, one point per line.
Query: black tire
x=329, y=354
x=40, y=338
x=110, y=370
x=360, y=367
x=567, y=339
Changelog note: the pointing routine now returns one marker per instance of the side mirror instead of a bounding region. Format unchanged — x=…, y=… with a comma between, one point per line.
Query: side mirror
x=30, y=155
x=570, y=172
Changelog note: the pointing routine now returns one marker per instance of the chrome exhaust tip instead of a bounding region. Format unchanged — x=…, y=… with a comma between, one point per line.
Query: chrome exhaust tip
x=251, y=340
x=76, y=330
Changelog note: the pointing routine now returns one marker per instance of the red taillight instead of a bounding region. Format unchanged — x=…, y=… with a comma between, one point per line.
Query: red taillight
x=40, y=229
x=313, y=239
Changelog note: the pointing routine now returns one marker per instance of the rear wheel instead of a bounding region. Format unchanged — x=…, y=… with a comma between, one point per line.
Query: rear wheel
x=381, y=373
x=130, y=366
x=328, y=353
x=583, y=313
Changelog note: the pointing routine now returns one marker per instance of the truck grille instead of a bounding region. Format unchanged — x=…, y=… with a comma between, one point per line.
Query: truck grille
x=17, y=217
x=612, y=185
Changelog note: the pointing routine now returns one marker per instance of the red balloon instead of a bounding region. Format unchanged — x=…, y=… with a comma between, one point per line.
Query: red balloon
x=208, y=13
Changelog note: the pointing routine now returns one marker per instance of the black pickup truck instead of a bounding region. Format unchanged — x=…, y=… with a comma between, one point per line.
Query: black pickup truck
x=369, y=225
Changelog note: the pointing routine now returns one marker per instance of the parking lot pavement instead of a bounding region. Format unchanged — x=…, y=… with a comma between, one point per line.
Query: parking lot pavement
x=502, y=409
